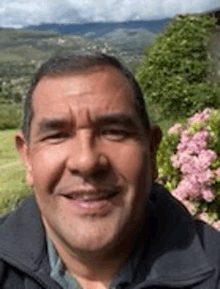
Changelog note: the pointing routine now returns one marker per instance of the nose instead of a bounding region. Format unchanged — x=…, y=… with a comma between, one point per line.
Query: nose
x=86, y=156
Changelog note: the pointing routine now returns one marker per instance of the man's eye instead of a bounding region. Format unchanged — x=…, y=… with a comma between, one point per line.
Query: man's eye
x=115, y=134
x=56, y=136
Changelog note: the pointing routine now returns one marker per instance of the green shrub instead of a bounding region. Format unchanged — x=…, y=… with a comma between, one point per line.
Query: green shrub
x=10, y=115
x=174, y=72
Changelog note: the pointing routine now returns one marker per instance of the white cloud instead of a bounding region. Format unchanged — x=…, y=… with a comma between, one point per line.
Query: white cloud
x=22, y=12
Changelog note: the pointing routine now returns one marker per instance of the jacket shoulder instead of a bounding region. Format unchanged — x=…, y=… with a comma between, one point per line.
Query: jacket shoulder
x=3, y=218
x=209, y=238
x=178, y=217
x=10, y=277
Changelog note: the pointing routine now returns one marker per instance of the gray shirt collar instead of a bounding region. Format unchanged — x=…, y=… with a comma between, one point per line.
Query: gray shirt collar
x=67, y=281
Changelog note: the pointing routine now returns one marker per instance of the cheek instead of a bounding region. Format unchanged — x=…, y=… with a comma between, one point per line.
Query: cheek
x=133, y=164
x=132, y=161
x=47, y=166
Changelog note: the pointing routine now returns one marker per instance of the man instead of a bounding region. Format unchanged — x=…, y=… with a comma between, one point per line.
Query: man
x=96, y=220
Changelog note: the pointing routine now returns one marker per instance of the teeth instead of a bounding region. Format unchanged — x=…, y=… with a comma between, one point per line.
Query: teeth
x=91, y=197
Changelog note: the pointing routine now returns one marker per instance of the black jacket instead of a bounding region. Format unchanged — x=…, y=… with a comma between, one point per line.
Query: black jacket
x=183, y=253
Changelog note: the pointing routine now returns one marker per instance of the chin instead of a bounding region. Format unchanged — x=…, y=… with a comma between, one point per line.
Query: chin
x=96, y=240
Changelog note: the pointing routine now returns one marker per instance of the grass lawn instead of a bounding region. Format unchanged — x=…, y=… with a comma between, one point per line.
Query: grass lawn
x=7, y=151
x=12, y=174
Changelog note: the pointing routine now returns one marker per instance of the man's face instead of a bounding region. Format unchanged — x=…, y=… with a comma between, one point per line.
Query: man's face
x=88, y=159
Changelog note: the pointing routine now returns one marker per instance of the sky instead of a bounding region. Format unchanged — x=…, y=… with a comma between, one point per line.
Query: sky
x=20, y=13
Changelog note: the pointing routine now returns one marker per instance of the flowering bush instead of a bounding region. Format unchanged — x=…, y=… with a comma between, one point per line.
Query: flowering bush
x=189, y=164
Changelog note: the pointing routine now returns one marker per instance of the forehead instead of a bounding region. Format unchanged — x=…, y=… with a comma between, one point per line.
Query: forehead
x=98, y=90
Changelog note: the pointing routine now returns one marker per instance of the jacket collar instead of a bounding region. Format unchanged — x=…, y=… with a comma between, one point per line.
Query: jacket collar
x=22, y=236
x=175, y=256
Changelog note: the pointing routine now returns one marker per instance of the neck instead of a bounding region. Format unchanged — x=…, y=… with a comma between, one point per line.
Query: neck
x=97, y=269
x=93, y=266
x=94, y=269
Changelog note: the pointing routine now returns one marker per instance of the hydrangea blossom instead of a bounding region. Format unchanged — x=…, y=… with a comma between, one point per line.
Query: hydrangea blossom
x=193, y=159
x=176, y=128
x=216, y=225
x=189, y=165
x=200, y=116
x=217, y=173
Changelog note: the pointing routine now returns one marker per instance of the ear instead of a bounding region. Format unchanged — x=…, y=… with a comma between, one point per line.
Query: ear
x=156, y=136
x=22, y=148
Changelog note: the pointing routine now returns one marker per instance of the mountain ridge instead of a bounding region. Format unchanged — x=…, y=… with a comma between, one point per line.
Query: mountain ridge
x=99, y=29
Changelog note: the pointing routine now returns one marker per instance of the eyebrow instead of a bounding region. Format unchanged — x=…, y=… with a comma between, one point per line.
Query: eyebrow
x=52, y=124
x=47, y=124
x=117, y=119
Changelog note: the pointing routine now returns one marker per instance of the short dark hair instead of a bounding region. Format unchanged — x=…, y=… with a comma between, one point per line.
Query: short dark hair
x=59, y=66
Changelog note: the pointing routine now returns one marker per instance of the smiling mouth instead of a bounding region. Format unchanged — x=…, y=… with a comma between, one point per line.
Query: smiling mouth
x=94, y=201
x=83, y=196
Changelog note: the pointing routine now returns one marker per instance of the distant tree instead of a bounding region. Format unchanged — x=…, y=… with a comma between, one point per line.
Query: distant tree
x=174, y=72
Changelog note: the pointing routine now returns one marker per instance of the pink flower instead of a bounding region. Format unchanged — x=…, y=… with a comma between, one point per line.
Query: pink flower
x=193, y=159
x=204, y=217
x=193, y=147
x=195, y=187
x=198, y=142
x=184, y=157
x=180, y=192
x=205, y=177
x=205, y=159
x=188, y=163
x=183, y=141
x=193, y=144
x=207, y=194
x=176, y=128
x=200, y=116
x=216, y=225
x=187, y=189
x=200, y=136
x=175, y=161
x=190, y=207
x=217, y=173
